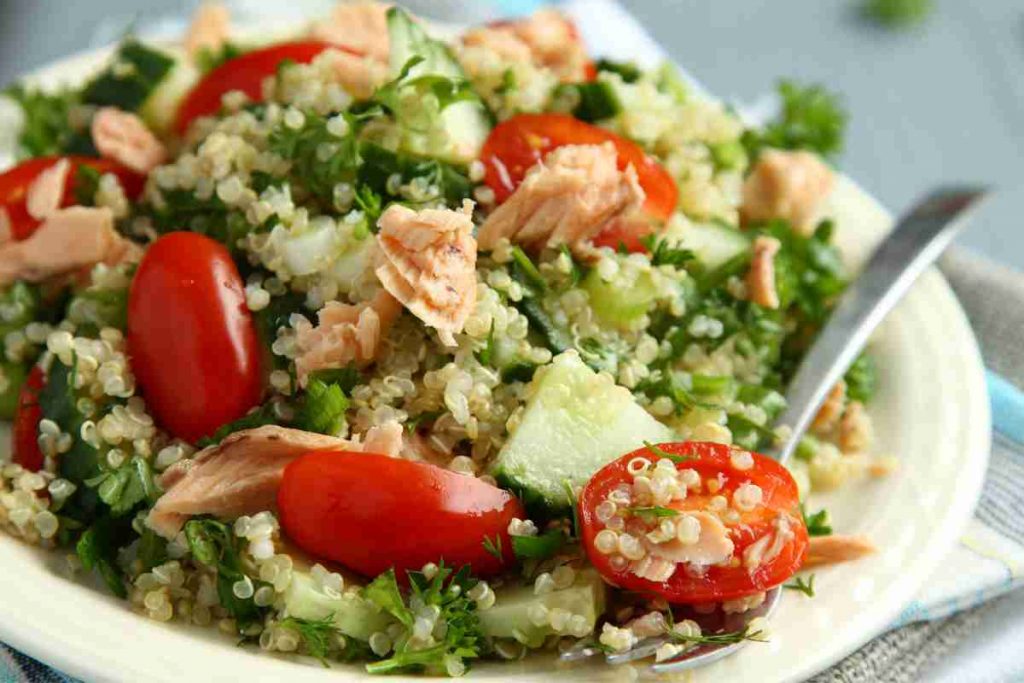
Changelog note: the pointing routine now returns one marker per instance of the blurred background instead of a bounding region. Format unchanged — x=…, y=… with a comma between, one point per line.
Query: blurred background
x=939, y=98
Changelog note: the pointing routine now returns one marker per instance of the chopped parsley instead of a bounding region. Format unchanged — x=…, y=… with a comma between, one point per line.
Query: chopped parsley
x=462, y=637
x=818, y=524
x=720, y=638
x=812, y=118
x=215, y=545
x=897, y=14
x=538, y=547
x=664, y=254
x=318, y=635
x=653, y=511
x=493, y=547
x=662, y=453
x=804, y=586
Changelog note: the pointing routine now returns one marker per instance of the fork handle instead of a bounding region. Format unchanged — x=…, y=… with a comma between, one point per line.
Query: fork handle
x=913, y=245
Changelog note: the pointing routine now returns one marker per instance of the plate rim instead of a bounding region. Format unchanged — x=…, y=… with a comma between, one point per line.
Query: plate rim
x=32, y=641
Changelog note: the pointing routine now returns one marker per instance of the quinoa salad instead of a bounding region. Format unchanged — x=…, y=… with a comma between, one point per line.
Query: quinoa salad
x=406, y=352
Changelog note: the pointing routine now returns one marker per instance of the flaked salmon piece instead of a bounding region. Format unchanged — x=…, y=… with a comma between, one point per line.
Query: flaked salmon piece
x=427, y=260
x=344, y=334
x=554, y=43
x=761, y=276
x=361, y=26
x=417, y=447
x=123, y=137
x=791, y=186
x=209, y=30
x=385, y=439
x=831, y=408
x=47, y=190
x=712, y=544
x=502, y=41
x=855, y=433
x=825, y=550
x=241, y=475
x=571, y=196
x=358, y=75
x=70, y=239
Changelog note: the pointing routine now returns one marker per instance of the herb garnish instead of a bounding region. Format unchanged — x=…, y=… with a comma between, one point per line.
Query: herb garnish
x=805, y=587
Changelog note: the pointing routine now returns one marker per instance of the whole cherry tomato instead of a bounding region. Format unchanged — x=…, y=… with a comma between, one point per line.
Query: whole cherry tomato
x=766, y=530
x=15, y=183
x=517, y=144
x=25, y=431
x=371, y=512
x=191, y=339
x=246, y=73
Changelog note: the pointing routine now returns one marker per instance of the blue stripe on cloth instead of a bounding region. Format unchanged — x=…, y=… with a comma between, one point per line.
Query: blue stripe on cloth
x=1007, y=407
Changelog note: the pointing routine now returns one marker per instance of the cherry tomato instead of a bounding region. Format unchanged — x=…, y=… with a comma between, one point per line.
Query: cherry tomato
x=627, y=233
x=727, y=580
x=15, y=183
x=371, y=512
x=246, y=73
x=191, y=339
x=25, y=431
x=515, y=145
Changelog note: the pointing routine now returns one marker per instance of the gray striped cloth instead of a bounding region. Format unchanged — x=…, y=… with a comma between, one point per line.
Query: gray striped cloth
x=993, y=297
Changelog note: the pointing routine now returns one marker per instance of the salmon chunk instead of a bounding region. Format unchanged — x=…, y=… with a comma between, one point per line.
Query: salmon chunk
x=70, y=239
x=241, y=475
x=361, y=26
x=500, y=40
x=209, y=29
x=123, y=137
x=825, y=550
x=791, y=186
x=344, y=334
x=568, y=198
x=47, y=190
x=761, y=276
x=358, y=75
x=427, y=260
x=6, y=231
x=553, y=43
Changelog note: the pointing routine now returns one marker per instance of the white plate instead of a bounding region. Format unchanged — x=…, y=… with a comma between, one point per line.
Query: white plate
x=931, y=412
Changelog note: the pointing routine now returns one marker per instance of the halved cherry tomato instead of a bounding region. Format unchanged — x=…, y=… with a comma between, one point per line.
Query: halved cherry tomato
x=25, y=431
x=15, y=182
x=517, y=144
x=191, y=339
x=246, y=73
x=780, y=507
x=371, y=512
x=627, y=233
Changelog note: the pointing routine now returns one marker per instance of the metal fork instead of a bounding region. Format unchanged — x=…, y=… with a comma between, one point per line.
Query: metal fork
x=913, y=245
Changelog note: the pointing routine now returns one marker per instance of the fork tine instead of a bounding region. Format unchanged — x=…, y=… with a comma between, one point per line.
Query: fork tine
x=645, y=648
x=580, y=651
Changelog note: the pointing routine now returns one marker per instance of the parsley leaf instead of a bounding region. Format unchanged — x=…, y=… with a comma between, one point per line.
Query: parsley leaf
x=47, y=129
x=215, y=545
x=463, y=638
x=662, y=453
x=653, y=511
x=209, y=59
x=861, y=378
x=538, y=547
x=805, y=587
x=818, y=524
x=897, y=14
x=493, y=547
x=812, y=118
x=664, y=254
x=97, y=550
x=322, y=408
x=317, y=635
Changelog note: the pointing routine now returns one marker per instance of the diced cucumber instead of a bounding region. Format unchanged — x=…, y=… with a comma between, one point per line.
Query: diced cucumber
x=713, y=243
x=619, y=306
x=510, y=615
x=353, y=615
x=464, y=125
x=161, y=107
x=574, y=423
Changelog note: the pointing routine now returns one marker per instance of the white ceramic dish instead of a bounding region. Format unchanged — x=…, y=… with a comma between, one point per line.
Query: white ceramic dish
x=931, y=412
